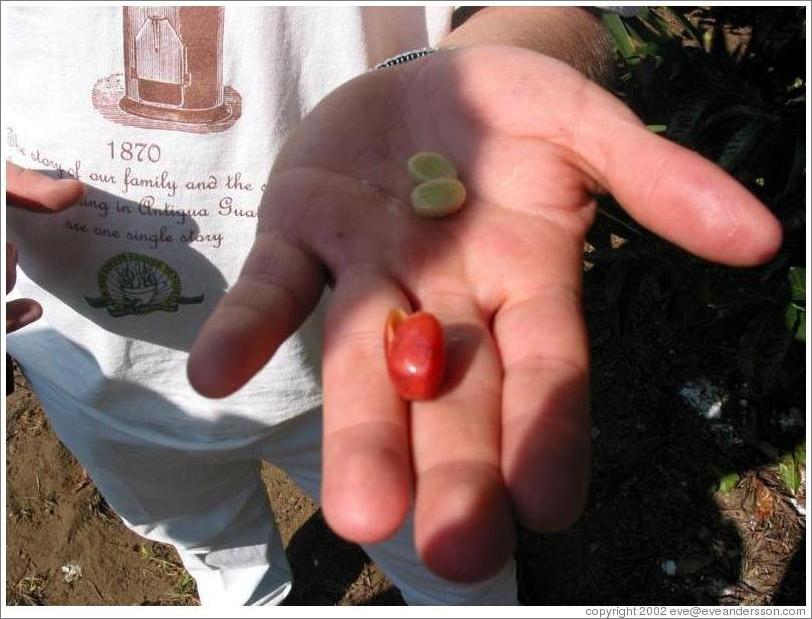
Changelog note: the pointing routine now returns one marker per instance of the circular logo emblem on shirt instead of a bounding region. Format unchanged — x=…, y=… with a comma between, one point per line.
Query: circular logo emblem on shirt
x=132, y=283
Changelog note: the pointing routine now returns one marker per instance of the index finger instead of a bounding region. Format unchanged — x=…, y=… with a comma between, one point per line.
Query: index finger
x=37, y=192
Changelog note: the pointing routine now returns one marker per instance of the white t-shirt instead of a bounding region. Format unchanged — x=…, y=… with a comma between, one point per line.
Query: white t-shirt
x=172, y=117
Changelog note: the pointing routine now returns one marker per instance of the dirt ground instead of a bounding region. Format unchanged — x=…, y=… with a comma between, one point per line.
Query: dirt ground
x=56, y=518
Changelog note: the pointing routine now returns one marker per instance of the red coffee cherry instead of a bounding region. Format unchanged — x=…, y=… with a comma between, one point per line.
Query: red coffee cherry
x=415, y=354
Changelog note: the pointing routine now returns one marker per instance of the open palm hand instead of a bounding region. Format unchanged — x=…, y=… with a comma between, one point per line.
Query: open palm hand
x=508, y=435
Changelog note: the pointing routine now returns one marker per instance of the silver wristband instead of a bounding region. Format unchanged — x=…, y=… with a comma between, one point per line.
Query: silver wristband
x=405, y=57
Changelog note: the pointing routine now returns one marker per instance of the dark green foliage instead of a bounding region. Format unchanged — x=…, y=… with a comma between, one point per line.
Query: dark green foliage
x=727, y=82
x=796, y=309
x=790, y=468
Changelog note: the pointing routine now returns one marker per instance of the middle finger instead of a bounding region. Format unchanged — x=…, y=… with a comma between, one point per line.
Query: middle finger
x=464, y=529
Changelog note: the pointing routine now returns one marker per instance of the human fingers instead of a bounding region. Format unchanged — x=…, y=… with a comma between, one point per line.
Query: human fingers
x=35, y=191
x=367, y=482
x=464, y=528
x=277, y=289
x=21, y=312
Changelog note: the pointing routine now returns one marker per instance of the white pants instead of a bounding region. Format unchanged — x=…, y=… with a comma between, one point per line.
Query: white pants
x=213, y=508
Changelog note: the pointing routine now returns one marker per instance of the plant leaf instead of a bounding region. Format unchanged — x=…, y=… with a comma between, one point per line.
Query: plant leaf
x=620, y=35
x=797, y=283
x=796, y=322
x=796, y=309
x=789, y=473
x=739, y=146
x=796, y=171
x=728, y=482
x=739, y=111
x=684, y=122
x=687, y=26
x=764, y=346
x=800, y=455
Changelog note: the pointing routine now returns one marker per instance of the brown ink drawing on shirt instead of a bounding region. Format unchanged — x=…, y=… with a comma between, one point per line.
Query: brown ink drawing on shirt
x=173, y=72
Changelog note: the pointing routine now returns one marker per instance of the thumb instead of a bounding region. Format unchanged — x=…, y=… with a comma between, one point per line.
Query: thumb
x=277, y=289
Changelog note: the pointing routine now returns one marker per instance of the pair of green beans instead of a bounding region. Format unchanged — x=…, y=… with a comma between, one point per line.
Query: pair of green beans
x=439, y=192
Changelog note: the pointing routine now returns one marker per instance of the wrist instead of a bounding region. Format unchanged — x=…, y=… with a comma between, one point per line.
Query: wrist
x=572, y=35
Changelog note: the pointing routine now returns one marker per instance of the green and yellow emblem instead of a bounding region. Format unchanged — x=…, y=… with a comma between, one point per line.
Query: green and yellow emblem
x=135, y=284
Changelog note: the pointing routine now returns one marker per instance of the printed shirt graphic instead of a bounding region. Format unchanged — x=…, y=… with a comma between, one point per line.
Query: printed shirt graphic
x=134, y=284
x=158, y=51
x=172, y=117
x=172, y=75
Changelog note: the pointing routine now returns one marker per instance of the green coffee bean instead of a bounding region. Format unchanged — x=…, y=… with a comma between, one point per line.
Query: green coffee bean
x=427, y=166
x=438, y=197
